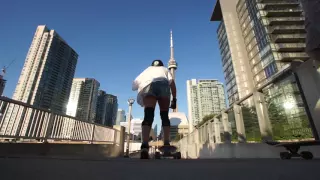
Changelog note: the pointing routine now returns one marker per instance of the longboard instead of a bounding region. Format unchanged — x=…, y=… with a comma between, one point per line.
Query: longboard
x=167, y=151
x=293, y=148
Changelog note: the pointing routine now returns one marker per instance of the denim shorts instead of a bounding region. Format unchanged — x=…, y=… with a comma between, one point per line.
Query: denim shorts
x=158, y=89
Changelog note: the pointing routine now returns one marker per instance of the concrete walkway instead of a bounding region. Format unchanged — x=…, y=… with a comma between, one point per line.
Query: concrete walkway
x=136, y=169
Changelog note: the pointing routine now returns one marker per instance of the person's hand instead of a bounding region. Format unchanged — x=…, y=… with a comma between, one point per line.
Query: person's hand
x=173, y=103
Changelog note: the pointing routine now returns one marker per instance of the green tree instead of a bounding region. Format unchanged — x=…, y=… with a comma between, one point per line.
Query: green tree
x=278, y=120
x=251, y=123
x=206, y=118
x=301, y=130
x=231, y=118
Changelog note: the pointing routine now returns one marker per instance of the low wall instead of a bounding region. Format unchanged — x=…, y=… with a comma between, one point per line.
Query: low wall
x=134, y=146
x=60, y=150
x=238, y=150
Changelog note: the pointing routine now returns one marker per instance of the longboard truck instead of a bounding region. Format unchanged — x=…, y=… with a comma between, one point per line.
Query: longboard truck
x=293, y=148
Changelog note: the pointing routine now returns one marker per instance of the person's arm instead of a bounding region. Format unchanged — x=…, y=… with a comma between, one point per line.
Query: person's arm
x=172, y=85
x=173, y=89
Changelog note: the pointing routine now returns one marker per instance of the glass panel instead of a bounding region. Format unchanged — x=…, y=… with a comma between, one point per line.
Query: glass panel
x=287, y=111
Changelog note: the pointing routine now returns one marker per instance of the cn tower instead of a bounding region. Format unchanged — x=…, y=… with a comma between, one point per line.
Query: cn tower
x=172, y=65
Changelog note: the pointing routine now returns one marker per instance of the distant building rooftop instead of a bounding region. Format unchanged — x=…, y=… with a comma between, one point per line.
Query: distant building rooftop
x=178, y=119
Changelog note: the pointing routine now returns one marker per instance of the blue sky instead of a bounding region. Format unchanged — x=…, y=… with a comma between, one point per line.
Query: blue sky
x=117, y=39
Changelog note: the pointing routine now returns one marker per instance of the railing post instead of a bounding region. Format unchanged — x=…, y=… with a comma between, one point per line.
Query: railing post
x=20, y=122
x=239, y=123
x=130, y=102
x=263, y=116
x=92, y=134
x=217, y=130
x=120, y=130
x=49, y=127
x=226, y=127
x=115, y=136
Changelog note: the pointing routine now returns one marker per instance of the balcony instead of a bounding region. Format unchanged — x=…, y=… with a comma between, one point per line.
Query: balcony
x=294, y=12
x=288, y=57
x=285, y=29
x=275, y=4
x=290, y=47
x=286, y=21
x=277, y=1
x=288, y=38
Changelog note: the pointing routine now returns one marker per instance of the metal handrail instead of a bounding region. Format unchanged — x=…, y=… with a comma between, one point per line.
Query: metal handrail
x=23, y=121
x=6, y=99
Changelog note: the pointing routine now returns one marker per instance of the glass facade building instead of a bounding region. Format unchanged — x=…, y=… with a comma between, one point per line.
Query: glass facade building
x=121, y=116
x=83, y=99
x=107, y=112
x=274, y=36
x=46, y=77
x=112, y=109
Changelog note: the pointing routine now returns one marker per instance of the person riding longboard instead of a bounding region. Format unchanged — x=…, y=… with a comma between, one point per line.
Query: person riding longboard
x=154, y=85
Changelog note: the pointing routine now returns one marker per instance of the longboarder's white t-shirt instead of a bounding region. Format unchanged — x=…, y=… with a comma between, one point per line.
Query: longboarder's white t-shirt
x=149, y=75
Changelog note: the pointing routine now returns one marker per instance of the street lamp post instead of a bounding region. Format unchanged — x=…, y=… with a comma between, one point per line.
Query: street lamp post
x=130, y=103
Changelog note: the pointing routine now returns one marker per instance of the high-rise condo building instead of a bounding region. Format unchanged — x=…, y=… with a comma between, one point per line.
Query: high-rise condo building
x=2, y=84
x=205, y=97
x=235, y=61
x=83, y=99
x=121, y=116
x=274, y=36
x=107, y=106
x=46, y=76
x=112, y=109
x=101, y=108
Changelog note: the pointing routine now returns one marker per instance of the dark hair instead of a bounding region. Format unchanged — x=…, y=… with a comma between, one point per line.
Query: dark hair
x=157, y=62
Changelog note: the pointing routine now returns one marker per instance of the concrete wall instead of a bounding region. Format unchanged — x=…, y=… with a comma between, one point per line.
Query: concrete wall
x=134, y=146
x=60, y=150
x=238, y=150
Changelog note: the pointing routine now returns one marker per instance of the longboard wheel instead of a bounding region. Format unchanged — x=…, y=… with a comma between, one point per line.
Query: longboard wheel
x=157, y=155
x=144, y=154
x=285, y=155
x=306, y=155
x=166, y=153
x=177, y=155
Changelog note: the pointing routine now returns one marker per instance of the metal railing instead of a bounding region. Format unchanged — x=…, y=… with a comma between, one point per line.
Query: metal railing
x=23, y=122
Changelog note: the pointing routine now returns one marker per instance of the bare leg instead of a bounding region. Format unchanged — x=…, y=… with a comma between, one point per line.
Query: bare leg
x=164, y=103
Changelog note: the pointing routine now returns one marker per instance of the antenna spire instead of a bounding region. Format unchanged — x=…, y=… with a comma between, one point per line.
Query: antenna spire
x=171, y=46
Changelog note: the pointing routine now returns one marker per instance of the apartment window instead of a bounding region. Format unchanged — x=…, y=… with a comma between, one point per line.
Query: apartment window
x=270, y=69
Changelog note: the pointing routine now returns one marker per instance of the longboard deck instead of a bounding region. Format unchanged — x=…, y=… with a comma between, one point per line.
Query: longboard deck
x=300, y=143
x=167, y=152
x=168, y=148
x=293, y=148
